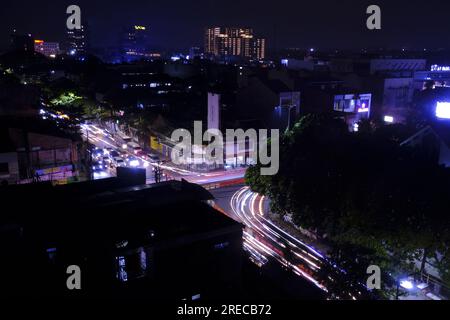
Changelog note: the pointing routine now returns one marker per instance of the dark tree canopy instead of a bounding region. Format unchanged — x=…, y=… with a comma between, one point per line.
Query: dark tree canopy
x=362, y=191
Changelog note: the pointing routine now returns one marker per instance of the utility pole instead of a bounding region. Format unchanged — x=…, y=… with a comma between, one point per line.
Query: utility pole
x=158, y=172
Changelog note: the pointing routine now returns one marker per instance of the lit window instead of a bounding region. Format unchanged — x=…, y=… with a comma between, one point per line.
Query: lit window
x=121, y=272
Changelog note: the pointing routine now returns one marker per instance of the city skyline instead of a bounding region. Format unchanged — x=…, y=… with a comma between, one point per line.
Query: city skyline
x=285, y=25
x=209, y=151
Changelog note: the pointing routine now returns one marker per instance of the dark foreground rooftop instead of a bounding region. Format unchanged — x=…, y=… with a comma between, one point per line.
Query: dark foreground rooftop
x=126, y=237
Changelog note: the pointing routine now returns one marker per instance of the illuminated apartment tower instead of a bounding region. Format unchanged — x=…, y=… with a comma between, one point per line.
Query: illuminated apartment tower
x=135, y=42
x=77, y=41
x=221, y=41
x=259, y=49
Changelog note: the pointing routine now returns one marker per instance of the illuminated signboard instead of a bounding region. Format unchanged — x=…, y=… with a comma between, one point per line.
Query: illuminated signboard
x=38, y=41
x=443, y=110
x=139, y=28
x=388, y=119
x=437, y=68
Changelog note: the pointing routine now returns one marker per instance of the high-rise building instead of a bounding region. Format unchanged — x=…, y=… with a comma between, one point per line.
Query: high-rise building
x=49, y=49
x=224, y=41
x=77, y=41
x=259, y=49
x=135, y=42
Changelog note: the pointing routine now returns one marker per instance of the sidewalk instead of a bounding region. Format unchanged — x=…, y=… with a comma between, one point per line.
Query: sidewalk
x=295, y=232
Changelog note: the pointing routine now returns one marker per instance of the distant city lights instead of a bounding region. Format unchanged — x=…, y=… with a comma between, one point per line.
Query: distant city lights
x=443, y=110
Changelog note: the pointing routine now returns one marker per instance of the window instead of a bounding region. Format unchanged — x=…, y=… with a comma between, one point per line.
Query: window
x=132, y=265
x=121, y=272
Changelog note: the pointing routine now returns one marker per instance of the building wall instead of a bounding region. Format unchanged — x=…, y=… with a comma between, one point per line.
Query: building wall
x=9, y=167
x=44, y=152
x=397, y=65
x=296, y=64
x=397, y=98
x=444, y=155
x=398, y=92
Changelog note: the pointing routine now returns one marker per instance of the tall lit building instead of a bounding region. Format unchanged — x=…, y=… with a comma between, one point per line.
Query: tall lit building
x=49, y=49
x=77, y=41
x=224, y=41
x=135, y=42
x=259, y=49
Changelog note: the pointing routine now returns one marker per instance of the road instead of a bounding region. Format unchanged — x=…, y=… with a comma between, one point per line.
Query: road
x=265, y=241
x=262, y=239
x=100, y=138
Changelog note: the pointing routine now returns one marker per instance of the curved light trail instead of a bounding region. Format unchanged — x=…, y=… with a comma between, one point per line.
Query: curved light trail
x=263, y=240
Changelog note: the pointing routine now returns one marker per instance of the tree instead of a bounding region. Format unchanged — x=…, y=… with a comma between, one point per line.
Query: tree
x=360, y=190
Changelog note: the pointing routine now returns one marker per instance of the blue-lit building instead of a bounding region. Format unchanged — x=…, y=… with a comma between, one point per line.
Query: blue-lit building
x=440, y=75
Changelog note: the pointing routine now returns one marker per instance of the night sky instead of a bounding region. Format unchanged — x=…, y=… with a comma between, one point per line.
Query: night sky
x=178, y=24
